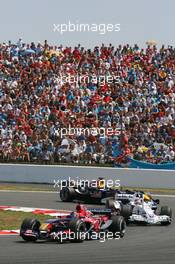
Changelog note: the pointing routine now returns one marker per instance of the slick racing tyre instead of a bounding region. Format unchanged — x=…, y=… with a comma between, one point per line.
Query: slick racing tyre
x=166, y=210
x=126, y=210
x=110, y=203
x=78, y=228
x=118, y=226
x=67, y=194
x=29, y=224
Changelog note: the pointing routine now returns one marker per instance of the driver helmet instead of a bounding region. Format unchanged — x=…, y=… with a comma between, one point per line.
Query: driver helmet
x=101, y=183
x=78, y=208
x=146, y=197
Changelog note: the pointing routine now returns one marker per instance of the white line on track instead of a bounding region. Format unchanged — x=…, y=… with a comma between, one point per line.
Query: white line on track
x=20, y=191
x=165, y=195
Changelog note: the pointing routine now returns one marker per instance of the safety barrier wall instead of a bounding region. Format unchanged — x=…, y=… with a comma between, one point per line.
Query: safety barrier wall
x=50, y=174
x=132, y=163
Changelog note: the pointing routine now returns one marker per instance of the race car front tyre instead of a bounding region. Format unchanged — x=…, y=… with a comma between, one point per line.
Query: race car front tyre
x=78, y=230
x=118, y=226
x=67, y=194
x=29, y=224
x=166, y=210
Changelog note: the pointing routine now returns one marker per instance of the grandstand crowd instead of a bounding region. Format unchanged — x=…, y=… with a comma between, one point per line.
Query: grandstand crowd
x=126, y=88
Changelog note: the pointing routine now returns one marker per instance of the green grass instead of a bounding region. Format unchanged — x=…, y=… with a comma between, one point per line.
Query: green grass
x=12, y=220
x=27, y=187
x=50, y=188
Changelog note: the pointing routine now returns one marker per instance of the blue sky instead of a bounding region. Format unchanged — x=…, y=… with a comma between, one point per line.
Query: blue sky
x=140, y=20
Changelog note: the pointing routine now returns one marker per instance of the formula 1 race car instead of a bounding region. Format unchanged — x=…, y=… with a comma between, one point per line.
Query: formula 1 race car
x=128, y=197
x=86, y=193
x=100, y=194
x=83, y=224
x=140, y=210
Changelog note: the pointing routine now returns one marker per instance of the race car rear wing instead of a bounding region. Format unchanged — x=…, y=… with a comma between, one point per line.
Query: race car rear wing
x=100, y=211
x=124, y=196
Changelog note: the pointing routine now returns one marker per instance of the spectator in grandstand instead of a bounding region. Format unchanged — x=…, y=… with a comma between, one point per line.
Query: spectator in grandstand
x=41, y=92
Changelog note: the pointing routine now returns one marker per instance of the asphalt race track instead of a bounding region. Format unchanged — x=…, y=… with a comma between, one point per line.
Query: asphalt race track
x=141, y=244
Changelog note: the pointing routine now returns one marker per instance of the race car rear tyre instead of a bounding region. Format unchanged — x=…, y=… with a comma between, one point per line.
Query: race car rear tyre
x=110, y=203
x=118, y=226
x=78, y=227
x=31, y=224
x=166, y=210
x=126, y=210
x=67, y=194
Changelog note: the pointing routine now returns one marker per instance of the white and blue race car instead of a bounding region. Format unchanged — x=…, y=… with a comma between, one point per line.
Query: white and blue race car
x=137, y=208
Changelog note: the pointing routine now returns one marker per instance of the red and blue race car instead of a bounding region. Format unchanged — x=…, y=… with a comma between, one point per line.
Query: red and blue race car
x=83, y=224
